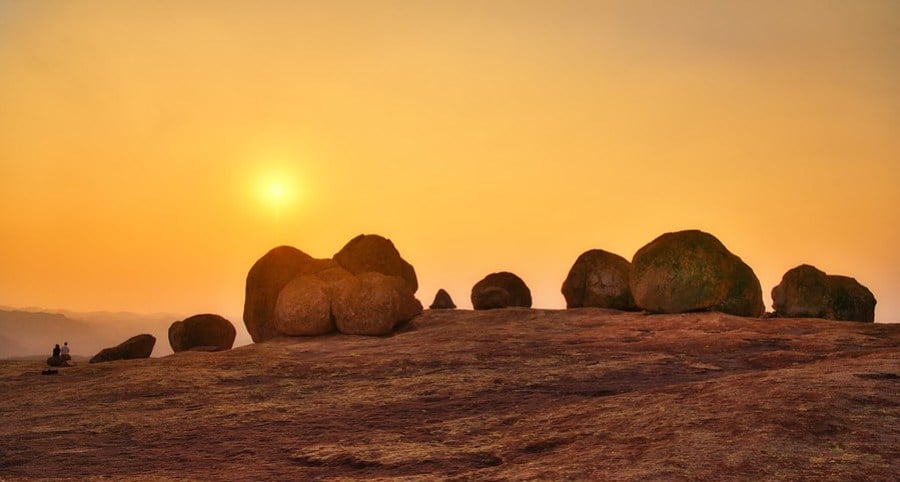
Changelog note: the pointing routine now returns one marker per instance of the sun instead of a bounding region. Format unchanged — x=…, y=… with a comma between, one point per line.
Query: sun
x=277, y=192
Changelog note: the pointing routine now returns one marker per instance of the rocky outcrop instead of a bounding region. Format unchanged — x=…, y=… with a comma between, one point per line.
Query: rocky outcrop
x=807, y=292
x=442, y=301
x=208, y=331
x=373, y=253
x=693, y=271
x=373, y=304
x=599, y=279
x=266, y=279
x=140, y=346
x=500, y=290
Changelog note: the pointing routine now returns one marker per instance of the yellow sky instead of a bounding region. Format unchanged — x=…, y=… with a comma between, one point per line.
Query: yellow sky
x=141, y=141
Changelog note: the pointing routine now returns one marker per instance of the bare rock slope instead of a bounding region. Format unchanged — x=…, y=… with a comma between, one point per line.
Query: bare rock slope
x=584, y=394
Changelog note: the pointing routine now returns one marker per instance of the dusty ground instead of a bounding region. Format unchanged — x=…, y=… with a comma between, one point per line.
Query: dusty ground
x=506, y=394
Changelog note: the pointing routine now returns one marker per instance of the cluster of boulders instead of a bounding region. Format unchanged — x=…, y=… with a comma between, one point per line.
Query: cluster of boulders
x=367, y=288
x=693, y=271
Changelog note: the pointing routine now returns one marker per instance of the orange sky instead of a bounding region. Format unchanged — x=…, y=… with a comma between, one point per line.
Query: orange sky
x=140, y=141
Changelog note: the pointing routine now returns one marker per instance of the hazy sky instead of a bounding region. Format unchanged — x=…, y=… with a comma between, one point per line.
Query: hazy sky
x=151, y=151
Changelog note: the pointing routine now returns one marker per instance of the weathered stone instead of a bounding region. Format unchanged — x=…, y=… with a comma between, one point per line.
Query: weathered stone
x=266, y=279
x=500, y=290
x=373, y=253
x=693, y=271
x=599, y=279
x=807, y=292
x=372, y=304
x=304, y=307
x=59, y=360
x=442, y=301
x=206, y=330
x=140, y=346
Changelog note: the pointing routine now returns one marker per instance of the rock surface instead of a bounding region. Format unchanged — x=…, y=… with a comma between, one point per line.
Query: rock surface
x=693, y=271
x=373, y=304
x=442, y=301
x=59, y=360
x=599, y=279
x=500, y=290
x=140, y=346
x=373, y=253
x=265, y=280
x=205, y=330
x=581, y=394
x=806, y=291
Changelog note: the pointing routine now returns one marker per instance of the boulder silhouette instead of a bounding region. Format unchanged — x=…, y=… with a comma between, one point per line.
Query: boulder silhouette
x=372, y=304
x=59, y=360
x=442, y=301
x=373, y=253
x=693, y=271
x=140, y=346
x=807, y=292
x=500, y=290
x=599, y=279
x=208, y=331
x=265, y=280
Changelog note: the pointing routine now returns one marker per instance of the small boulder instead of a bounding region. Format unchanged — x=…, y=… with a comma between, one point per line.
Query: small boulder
x=212, y=332
x=442, y=301
x=599, y=279
x=372, y=304
x=59, y=360
x=140, y=346
x=373, y=253
x=807, y=292
x=500, y=290
x=266, y=279
x=693, y=271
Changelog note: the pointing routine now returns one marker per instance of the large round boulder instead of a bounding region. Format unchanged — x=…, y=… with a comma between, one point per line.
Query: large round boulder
x=266, y=279
x=373, y=253
x=372, y=304
x=693, y=271
x=208, y=332
x=442, y=301
x=599, y=279
x=304, y=307
x=500, y=290
x=140, y=346
x=807, y=292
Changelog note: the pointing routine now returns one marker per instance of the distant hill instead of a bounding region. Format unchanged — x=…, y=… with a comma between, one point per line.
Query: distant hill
x=32, y=332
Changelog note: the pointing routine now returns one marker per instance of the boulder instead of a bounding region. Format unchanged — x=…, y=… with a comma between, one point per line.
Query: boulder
x=59, y=360
x=500, y=290
x=140, y=346
x=304, y=307
x=372, y=304
x=373, y=253
x=693, y=271
x=807, y=292
x=442, y=301
x=599, y=279
x=266, y=279
x=212, y=332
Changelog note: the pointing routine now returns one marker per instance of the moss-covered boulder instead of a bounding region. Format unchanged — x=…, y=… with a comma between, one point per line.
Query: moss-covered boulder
x=693, y=271
x=807, y=292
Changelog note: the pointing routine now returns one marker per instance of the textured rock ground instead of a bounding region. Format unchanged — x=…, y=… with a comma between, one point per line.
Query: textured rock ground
x=486, y=395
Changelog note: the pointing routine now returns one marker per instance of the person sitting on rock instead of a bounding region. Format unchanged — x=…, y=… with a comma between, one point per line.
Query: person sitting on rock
x=56, y=351
x=64, y=351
